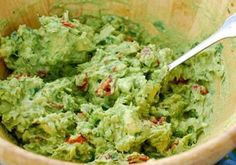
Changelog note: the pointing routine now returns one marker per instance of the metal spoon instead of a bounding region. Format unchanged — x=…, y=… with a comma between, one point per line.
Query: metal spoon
x=226, y=31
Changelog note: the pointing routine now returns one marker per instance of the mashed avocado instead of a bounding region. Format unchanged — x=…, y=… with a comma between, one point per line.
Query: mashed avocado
x=96, y=89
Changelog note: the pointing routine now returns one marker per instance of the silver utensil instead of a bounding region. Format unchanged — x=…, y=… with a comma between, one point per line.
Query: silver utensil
x=227, y=30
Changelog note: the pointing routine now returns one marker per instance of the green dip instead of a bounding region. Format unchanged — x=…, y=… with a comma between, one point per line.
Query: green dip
x=96, y=89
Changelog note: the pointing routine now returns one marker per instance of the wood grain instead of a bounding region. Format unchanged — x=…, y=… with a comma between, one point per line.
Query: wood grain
x=193, y=19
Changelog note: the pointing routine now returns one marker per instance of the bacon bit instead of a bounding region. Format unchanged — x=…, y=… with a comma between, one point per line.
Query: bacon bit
x=196, y=86
x=174, y=144
x=104, y=87
x=67, y=24
x=203, y=90
x=18, y=76
x=137, y=158
x=159, y=121
x=81, y=114
x=129, y=39
x=144, y=158
x=85, y=83
x=79, y=139
x=56, y=105
x=180, y=80
x=42, y=73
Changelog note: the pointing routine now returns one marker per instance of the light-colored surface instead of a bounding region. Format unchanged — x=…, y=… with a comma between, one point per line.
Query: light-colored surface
x=194, y=19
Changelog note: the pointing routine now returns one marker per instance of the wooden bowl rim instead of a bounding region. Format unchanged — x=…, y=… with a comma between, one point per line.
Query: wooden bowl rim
x=213, y=149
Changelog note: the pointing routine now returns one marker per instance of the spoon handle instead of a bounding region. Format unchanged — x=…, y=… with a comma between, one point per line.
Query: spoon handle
x=203, y=45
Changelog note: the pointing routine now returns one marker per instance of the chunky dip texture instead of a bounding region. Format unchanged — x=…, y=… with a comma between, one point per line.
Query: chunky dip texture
x=96, y=89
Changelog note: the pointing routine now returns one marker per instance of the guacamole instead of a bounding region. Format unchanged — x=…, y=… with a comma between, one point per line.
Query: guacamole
x=97, y=89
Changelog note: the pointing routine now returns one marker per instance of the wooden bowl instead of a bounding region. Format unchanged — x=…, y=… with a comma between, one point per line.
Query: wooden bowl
x=185, y=22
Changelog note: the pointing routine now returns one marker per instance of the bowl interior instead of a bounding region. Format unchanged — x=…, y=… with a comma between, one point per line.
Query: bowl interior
x=177, y=22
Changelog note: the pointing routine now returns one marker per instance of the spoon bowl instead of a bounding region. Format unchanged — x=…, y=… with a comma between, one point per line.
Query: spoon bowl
x=229, y=26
